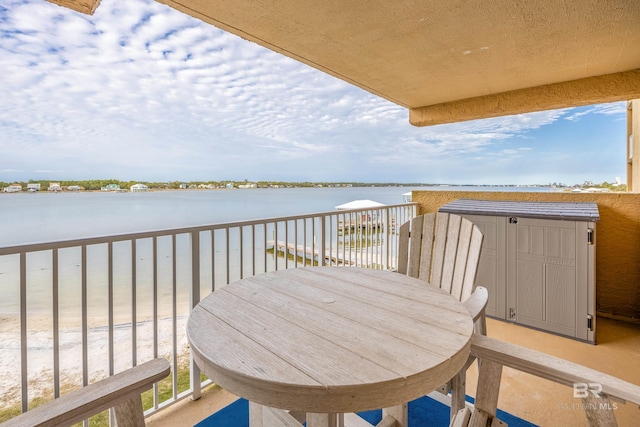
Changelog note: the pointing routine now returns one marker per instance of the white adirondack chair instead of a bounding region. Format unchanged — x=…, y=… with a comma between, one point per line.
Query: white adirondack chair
x=444, y=250
x=120, y=391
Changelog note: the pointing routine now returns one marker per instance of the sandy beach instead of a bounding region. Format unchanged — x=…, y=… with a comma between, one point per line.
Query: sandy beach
x=40, y=352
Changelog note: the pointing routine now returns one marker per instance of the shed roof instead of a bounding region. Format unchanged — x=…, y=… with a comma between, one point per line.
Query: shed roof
x=569, y=211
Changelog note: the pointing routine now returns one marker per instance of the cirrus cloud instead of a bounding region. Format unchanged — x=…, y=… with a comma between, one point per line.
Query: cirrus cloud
x=141, y=91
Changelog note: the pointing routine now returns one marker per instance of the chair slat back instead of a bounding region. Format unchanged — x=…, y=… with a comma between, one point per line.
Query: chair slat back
x=426, y=247
x=442, y=249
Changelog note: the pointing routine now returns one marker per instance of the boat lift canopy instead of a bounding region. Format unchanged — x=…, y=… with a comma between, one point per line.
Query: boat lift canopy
x=359, y=204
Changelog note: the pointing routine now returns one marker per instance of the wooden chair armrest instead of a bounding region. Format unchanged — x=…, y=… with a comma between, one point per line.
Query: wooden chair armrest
x=477, y=302
x=96, y=397
x=551, y=367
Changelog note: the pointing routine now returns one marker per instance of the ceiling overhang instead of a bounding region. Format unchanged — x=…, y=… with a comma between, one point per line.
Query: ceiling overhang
x=591, y=90
x=448, y=60
x=82, y=6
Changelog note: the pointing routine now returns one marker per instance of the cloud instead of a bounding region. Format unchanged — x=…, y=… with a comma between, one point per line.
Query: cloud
x=614, y=108
x=139, y=90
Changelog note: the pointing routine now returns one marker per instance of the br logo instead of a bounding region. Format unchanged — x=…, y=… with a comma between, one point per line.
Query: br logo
x=582, y=390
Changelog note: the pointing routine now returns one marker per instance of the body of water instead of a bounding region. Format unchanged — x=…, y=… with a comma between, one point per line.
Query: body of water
x=45, y=217
x=49, y=217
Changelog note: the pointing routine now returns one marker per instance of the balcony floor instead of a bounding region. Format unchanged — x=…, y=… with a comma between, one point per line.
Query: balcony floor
x=539, y=401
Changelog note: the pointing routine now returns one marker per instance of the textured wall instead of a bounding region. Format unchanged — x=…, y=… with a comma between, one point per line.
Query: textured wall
x=633, y=127
x=617, y=240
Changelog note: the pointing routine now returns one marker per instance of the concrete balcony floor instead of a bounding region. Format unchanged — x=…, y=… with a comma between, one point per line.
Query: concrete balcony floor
x=539, y=401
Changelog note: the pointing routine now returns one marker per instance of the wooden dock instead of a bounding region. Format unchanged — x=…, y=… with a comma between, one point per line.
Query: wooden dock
x=309, y=254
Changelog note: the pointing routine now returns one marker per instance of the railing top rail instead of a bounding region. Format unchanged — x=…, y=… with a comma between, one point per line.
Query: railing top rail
x=35, y=247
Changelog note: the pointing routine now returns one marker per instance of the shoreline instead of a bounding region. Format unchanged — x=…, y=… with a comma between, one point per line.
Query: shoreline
x=40, y=352
x=596, y=188
x=201, y=186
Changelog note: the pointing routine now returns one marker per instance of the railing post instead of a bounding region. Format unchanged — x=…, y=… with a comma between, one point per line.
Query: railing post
x=194, y=300
x=174, y=289
x=322, y=241
x=85, y=314
x=134, y=306
x=55, y=276
x=23, y=332
x=385, y=231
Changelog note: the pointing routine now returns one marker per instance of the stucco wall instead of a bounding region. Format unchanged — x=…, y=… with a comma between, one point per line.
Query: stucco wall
x=633, y=127
x=617, y=240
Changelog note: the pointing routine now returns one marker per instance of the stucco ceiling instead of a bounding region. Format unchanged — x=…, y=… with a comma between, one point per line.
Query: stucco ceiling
x=448, y=60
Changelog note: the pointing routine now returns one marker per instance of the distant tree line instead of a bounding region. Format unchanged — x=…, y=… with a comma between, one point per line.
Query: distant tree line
x=97, y=184
x=612, y=186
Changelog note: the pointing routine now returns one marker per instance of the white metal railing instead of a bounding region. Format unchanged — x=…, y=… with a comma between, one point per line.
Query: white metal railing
x=74, y=311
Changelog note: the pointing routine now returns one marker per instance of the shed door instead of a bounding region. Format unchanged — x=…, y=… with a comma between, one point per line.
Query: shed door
x=542, y=263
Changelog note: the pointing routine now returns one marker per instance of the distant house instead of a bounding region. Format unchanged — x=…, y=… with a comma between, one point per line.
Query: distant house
x=13, y=188
x=249, y=185
x=74, y=188
x=33, y=186
x=135, y=188
x=229, y=185
x=111, y=187
x=54, y=186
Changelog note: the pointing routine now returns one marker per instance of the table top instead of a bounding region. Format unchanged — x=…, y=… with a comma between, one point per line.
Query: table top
x=330, y=339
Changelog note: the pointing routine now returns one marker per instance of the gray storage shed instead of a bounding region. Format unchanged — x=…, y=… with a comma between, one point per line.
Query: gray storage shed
x=538, y=262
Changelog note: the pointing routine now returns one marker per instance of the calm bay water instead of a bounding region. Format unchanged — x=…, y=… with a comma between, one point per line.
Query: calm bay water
x=48, y=217
x=43, y=217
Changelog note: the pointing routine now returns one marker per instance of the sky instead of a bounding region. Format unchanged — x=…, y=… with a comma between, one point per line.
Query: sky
x=140, y=91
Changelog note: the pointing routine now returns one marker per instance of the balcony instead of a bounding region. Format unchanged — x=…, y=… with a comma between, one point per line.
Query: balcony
x=76, y=311
x=161, y=275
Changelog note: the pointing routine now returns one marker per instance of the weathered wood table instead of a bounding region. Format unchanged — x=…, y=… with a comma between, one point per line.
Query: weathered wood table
x=326, y=341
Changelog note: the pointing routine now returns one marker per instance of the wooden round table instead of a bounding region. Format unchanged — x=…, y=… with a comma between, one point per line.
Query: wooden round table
x=330, y=339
